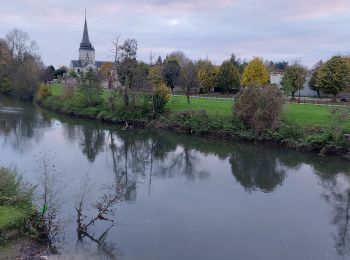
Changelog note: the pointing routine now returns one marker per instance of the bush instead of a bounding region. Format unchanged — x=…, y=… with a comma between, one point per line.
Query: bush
x=13, y=189
x=5, y=85
x=44, y=91
x=192, y=120
x=259, y=108
x=161, y=97
x=68, y=90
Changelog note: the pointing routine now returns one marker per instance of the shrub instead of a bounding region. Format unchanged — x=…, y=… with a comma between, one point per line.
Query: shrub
x=68, y=90
x=192, y=120
x=161, y=97
x=13, y=189
x=259, y=108
x=5, y=85
x=44, y=91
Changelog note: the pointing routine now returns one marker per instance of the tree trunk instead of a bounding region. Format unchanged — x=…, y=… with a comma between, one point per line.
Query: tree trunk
x=293, y=95
x=318, y=93
x=188, y=98
x=335, y=98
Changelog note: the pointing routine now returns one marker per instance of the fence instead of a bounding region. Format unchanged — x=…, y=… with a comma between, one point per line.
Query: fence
x=325, y=102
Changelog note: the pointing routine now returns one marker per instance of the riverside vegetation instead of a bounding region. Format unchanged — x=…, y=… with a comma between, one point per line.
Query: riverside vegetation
x=266, y=120
x=140, y=94
x=21, y=225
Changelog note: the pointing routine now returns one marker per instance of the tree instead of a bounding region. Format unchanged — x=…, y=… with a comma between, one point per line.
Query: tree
x=106, y=69
x=188, y=79
x=206, y=73
x=179, y=56
x=20, y=44
x=48, y=74
x=171, y=73
x=25, y=77
x=314, y=73
x=89, y=85
x=255, y=74
x=59, y=72
x=129, y=49
x=238, y=63
x=294, y=79
x=127, y=66
x=159, y=61
x=334, y=76
x=277, y=66
x=125, y=72
x=228, y=76
x=5, y=56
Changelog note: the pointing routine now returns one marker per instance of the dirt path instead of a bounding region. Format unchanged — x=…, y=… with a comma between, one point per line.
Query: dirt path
x=23, y=249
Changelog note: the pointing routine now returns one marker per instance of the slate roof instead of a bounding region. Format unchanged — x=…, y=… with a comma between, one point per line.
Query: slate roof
x=77, y=63
x=85, y=42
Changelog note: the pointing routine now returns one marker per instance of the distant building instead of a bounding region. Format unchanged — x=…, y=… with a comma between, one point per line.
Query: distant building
x=86, y=55
x=276, y=78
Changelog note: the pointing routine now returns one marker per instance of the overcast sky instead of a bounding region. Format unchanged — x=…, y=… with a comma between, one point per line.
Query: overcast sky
x=307, y=30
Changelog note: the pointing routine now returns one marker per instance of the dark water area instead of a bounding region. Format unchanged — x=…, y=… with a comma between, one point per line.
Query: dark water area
x=180, y=197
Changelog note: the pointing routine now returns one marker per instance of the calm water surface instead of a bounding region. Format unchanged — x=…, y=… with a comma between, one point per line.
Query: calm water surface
x=181, y=197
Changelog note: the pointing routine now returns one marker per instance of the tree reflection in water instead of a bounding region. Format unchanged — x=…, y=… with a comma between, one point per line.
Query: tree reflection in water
x=21, y=123
x=256, y=170
x=92, y=142
x=336, y=191
x=90, y=214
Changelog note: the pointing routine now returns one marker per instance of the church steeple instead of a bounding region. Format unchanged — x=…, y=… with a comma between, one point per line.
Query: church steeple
x=85, y=42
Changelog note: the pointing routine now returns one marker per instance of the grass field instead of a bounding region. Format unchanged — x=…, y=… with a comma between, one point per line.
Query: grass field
x=302, y=114
x=10, y=216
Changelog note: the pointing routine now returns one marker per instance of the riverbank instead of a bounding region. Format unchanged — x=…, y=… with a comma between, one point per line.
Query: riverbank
x=19, y=234
x=325, y=140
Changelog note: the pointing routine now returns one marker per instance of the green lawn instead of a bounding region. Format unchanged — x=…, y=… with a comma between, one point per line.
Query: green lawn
x=305, y=115
x=212, y=106
x=10, y=216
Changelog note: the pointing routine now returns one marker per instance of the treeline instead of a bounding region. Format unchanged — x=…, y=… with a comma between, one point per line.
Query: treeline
x=20, y=65
x=330, y=77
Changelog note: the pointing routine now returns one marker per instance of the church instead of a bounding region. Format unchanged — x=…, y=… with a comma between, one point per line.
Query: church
x=86, y=55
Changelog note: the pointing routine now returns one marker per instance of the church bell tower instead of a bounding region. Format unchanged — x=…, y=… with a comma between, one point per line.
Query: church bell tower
x=86, y=50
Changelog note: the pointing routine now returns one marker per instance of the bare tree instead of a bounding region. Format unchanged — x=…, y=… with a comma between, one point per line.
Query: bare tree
x=20, y=44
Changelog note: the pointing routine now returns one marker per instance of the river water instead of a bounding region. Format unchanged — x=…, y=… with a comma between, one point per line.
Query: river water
x=178, y=196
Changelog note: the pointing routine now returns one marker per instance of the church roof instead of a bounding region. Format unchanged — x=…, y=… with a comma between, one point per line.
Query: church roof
x=85, y=42
x=77, y=63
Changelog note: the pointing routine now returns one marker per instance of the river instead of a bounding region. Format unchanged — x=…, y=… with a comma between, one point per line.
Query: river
x=178, y=196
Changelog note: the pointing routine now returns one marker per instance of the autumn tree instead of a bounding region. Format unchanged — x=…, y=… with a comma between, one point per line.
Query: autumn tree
x=228, y=76
x=312, y=81
x=294, y=79
x=159, y=92
x=171, y=73
x=255, y=74
x=334, y=76
x=206, y=73
x=106, y=69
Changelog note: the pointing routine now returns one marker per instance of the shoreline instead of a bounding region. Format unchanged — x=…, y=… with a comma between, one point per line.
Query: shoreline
x=164, y=122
